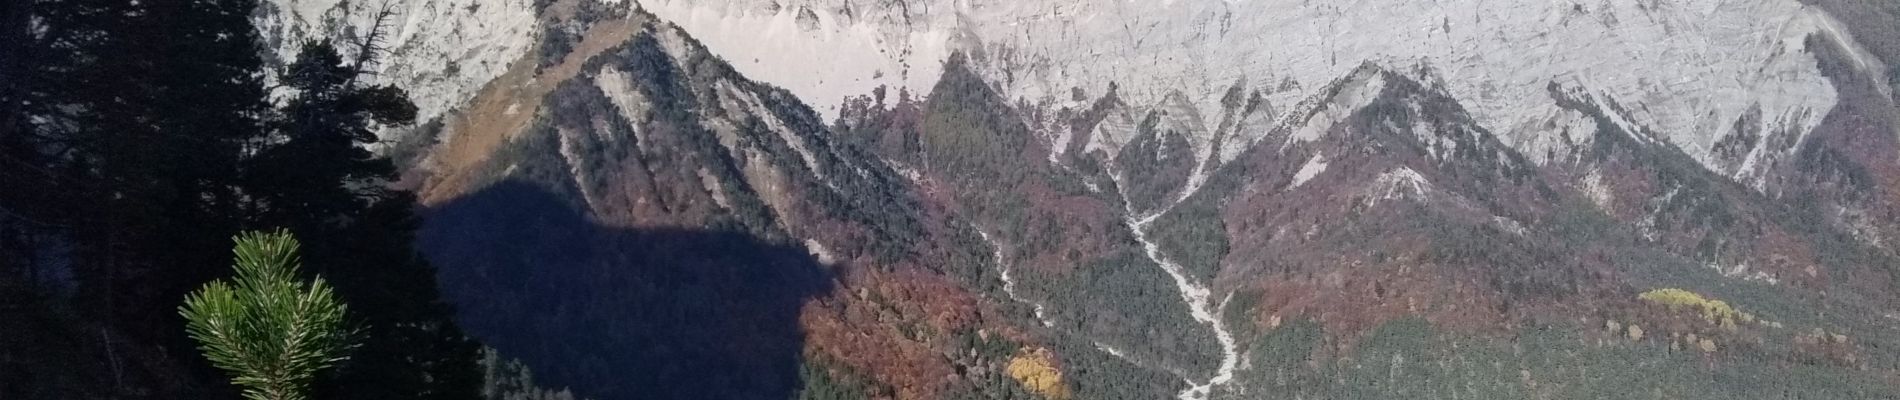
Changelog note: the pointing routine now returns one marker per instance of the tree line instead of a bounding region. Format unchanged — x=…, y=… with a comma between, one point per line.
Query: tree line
x=138, y=137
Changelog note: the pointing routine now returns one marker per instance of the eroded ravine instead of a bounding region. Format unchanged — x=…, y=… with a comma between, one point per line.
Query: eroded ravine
x=1196, y=295
x=1009, y=280
x=1042, y=312
x=1199, y=307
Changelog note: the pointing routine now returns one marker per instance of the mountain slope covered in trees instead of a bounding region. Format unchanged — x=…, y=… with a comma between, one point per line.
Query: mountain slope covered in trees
x=1380, y=222
x=618, y=210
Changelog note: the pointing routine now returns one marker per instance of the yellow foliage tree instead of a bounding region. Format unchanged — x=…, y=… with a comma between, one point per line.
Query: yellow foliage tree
x=1715, y=311
x=1036, y=370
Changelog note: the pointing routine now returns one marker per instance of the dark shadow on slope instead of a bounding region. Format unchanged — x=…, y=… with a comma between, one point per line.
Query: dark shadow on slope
x=618, y=313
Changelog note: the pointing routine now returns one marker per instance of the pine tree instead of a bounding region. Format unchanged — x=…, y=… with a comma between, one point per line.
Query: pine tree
x=144, y=108
x=319, y=180
x=151, y=141
x=267, y=328
x=128, y=119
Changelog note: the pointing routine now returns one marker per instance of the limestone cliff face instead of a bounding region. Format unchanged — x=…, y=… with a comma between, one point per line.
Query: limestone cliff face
x=441, y=51
x=1687, y=72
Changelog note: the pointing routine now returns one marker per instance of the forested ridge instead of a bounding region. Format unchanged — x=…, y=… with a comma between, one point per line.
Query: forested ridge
x=136, y=139
x=620, y=212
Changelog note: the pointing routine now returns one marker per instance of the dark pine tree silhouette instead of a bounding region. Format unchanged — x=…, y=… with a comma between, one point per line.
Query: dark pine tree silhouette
x=123, y=126
x=136, y=137
x=318, y=179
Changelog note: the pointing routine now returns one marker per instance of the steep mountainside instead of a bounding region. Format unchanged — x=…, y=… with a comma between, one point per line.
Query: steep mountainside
x=660, y=217
x=1180, y=199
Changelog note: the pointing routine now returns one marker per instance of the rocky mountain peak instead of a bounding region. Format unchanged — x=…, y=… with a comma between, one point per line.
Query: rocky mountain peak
x=1689, y=71
x=1191, y=198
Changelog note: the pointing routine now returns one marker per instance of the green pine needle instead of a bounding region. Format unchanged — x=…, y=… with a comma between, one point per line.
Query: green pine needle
x=272, y=332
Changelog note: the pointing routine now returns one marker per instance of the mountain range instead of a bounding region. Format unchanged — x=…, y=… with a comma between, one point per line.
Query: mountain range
x=1191, y=199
